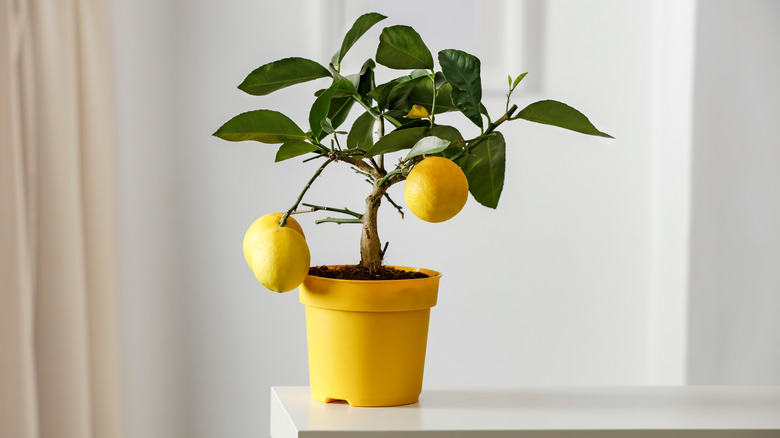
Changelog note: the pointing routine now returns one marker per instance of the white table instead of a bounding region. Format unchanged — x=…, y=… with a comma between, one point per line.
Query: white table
x=540, y=412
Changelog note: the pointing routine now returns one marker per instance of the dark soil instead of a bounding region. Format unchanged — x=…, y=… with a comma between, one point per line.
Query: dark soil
x=359, y=272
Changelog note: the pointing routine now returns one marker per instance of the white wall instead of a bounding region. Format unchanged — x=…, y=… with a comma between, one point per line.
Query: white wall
x=735, y=247
x=153, y=299
x=560, y=285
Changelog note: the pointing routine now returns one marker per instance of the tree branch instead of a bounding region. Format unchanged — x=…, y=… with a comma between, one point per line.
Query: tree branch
x=360, y=164
x=397, y=207
x=337, y=210
x=283, y=220
x=339, y=221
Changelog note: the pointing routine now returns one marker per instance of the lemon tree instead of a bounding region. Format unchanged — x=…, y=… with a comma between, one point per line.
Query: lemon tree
x=438, y=163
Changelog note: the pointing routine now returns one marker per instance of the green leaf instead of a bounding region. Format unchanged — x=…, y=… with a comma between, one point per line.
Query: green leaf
x=361, y=26
x=377, y=91
x=446, y=132
x=418, y=73
x=366, y=80
x=339, y=110
x=396, y=99
x=397, y=140
x=428, y=145
x=319, y=110
x=293, y=149
x=265, y=126
x=414, y=123
x=362, y=133
x=401, y=47
x=422, y=94
x=551, y=112
x=280, y=74
x=384, y=95
x=439, y=79
x=340, y=106
x=462, y=71
x=327, y=127
x=485, y=169
x=517, y=81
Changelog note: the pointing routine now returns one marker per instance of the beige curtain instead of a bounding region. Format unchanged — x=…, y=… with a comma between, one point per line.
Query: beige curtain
x=59, y=373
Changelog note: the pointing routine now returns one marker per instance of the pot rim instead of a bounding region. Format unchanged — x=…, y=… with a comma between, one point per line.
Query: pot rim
x=431, y=275
x=371, y=295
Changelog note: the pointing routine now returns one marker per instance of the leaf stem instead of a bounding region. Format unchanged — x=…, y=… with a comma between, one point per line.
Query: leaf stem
x=492, y=127
x=337, y=210
x=435, y=92
x=283, y=220
x=384, y=179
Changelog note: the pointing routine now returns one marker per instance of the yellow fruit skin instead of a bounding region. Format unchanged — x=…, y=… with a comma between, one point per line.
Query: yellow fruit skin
x=436, y=189
x=280, y=259
x=264, y=223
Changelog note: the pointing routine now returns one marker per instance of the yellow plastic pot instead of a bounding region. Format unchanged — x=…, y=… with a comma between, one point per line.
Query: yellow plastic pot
x=367, y=339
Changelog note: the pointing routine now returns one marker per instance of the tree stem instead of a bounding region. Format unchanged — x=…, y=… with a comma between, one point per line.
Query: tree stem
x=370, y=246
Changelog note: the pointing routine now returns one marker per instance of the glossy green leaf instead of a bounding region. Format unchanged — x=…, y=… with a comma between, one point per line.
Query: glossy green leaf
x=414, y=123
x=362, y=133
x=401, y=47
x=280, y=74
x=377, y=91
x=265, y=126
x=428, y=145
x=439, y=79
x=397, y=140
x=422, y=94
x=339, y=110
x=396, y=99
x=462, y=72
x=446, y=132
x=384, y=95
x=361, y=26
x=340, y=106
x=551, y=112
x=418, y=73
x=327, y=126
x=485, y=168
x=366, y=80
x=319, y=110
x=293, y=149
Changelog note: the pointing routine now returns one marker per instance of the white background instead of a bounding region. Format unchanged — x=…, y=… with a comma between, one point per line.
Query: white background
x=648, y=259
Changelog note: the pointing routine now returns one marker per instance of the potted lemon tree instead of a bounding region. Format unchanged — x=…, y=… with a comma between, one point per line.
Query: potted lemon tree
x=367, y=323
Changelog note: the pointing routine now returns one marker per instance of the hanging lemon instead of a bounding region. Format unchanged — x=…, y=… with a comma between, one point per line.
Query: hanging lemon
x=264, y=223
x=436, y=189
x=280, y=258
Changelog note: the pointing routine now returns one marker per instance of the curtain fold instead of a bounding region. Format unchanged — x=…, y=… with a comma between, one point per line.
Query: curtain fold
x=59, y=373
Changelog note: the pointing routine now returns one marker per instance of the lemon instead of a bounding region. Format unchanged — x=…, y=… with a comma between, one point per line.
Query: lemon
x=264, y=223
x=436, y=189
x=280, y=258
